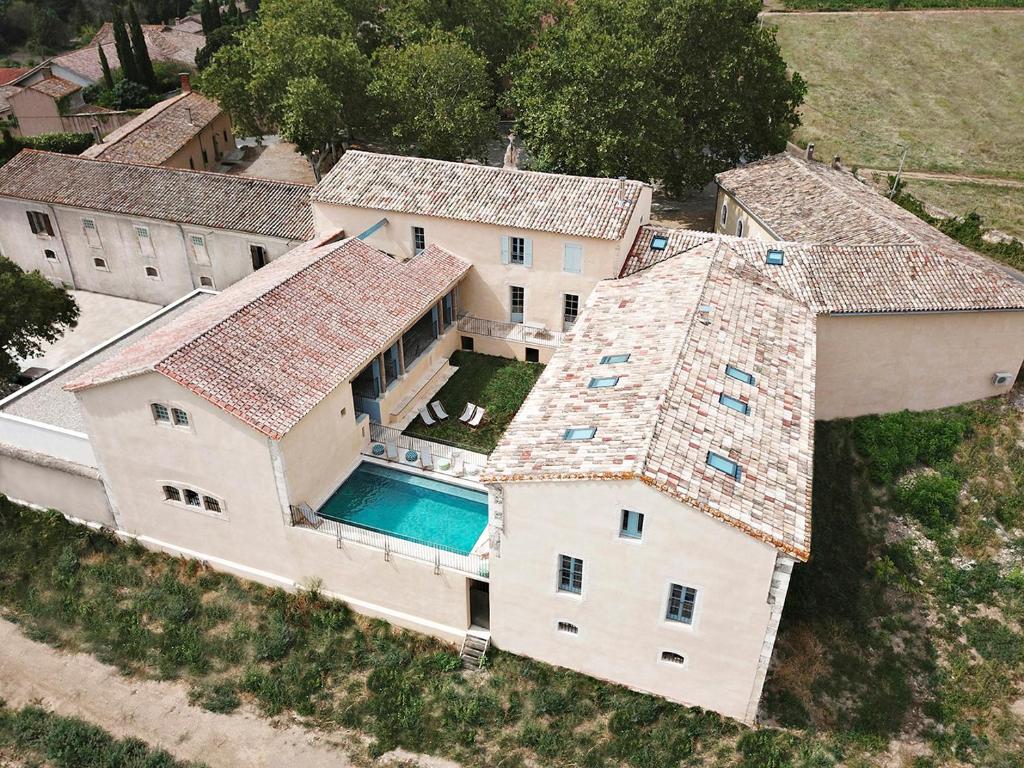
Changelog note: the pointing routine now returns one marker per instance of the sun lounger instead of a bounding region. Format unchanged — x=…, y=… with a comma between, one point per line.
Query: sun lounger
x=477, y=417
x=442, y=414
x=427, y=418
x=392, y=452
x=469, y=413
x=426, y=460
x=458, y=467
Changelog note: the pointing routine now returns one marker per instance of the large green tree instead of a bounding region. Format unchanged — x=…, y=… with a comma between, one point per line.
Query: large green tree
x=672, y=90
x=143, y=64
x=123, y=46
x=434, y=98
x=32, y=311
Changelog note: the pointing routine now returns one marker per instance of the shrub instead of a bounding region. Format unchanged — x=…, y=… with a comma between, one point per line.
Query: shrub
x=931, y=498
x=766, y=748
x=128, y=94
x=895, y=442
x=995, y=641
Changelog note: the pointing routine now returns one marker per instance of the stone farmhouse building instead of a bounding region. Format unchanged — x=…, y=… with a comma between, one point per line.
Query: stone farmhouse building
x=641, y=516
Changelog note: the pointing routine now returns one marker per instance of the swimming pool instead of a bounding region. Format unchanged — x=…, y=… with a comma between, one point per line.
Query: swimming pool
x=410, y=506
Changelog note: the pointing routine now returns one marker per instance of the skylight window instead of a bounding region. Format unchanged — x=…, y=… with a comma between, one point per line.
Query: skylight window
x=601, y=382
x=740, y=375
x=735, y=403
x=659, y=243
x=722, y=464
x=579, y=433
x=775, y=257
x=611, y=359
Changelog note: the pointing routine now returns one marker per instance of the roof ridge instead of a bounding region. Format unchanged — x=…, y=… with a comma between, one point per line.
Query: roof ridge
x=164, y=105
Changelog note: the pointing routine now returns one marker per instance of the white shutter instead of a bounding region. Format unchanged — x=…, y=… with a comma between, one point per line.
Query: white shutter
x=572, y=260
x=527, y=252
x=505, y=248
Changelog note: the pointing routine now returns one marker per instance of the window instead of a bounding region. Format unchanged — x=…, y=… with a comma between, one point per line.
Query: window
x=259, y=256
x=612, y=359
x=192, y=498
x=570, y=574
x=152, y=273
x=171, y=493
x=776, y=257
x=739, y=227
x=206, y=160
x=419, y=240
x=672, y=657
x=145, y=242
x=100, y=264
x=161, y=412
x=39, y=222
x=92, y=235
x=49, y=255
x=518, y=252
x=206, y=282
x=722, y=464
x=579, y=433
x=565, y=626
x=191, y=163
x=180, y=417
x=632, y=526
x=602, y=382
x=570, y=309
x=572, y=258
x=681, y=602
x=467, y=343
x=211, y=504
x=225, y=134
x=518, y=304
x=659, y=243
x=740, y=375
x=734, y=402
x=532, y=355
x=198, y=242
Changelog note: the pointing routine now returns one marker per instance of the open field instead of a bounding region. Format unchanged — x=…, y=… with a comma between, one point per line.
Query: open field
x=947, y=85
x=1002, y=208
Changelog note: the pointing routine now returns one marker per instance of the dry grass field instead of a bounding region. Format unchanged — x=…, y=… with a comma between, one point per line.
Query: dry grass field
x=1001, y=207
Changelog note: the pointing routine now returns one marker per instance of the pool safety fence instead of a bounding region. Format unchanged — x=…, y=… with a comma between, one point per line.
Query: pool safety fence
x=437, y=555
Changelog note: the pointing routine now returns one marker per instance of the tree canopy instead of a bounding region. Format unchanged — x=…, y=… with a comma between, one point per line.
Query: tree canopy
x=675, y=90
x=34, y=312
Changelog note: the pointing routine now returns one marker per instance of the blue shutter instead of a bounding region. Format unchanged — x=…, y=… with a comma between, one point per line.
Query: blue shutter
x=376, y=375
x=433, y=319
x=527, y=252
x=572, y=260
x=505, y=248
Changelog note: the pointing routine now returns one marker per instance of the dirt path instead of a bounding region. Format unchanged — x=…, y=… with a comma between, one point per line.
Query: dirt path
x=956, y=178
x=77, y=685
x=773, y=9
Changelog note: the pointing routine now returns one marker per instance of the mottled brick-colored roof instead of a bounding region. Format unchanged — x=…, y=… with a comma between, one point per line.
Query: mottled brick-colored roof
x=681, y=322
x=857, y=278
x=55, y=87
x=218, y=201
x=572, y=205
x=272, y=346
x=157, y=134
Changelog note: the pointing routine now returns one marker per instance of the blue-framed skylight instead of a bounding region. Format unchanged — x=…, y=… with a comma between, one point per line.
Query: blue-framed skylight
x=659, y=243
x=611, y=359
x=722, y=464
x=740, y=375
x=735, y=403
x=602, y=382
x=775, y=257
x=579, y=433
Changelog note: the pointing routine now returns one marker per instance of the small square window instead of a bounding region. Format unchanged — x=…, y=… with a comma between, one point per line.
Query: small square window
x=612, y=359
x=722, y=464
x=735, y=373
x=570, y=574
x=211, y=504
x=602, y=382
x=50, y=255
x=681, y=604
x=180, y=417
x=579, y=433
x=735, y=403
x=192, y=498
x=532, y=355
x=565, y=626
x=171, y=493
x=152, y=273
x=142, y=232
x=160, y=412
x=467, y=343
x=776, y=257
x=100, y=264
x=632, y=524
x=206, y=282
x=659, y=243
x=672, y=657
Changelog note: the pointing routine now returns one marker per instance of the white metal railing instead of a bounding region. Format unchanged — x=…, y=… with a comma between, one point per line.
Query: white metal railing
x=524, y=334
x=46, y=439
x=437, y=555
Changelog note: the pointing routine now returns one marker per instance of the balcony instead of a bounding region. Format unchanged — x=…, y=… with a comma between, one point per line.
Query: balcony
x=522, y=333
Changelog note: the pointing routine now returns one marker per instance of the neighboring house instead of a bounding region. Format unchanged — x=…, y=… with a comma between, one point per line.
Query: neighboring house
x=165, y=42
x=7, y=74
x=539, y=242
x=185, y=131
x=40, y=103
x=143, y=232
x=948, y=333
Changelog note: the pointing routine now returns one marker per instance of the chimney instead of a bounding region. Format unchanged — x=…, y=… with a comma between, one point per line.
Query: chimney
x=511, y=161
x=96, y=136
x=837, y=164
x=810, y=151
x=622, y=191
x=186, y=82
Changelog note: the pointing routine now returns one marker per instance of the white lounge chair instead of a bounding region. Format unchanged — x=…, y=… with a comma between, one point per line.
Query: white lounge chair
x=392, y=452
x=477, y=417
x=469, y=413
x=458, y=465
x=427, y=418
x=426, y=460
x=442, y=414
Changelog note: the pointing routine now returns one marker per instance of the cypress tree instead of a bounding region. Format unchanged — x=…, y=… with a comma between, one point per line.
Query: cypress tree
x=108, y=79
x=123, y=45
x=143, y=63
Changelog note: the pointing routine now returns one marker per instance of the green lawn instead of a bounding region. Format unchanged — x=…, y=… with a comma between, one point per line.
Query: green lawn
x=498, y=384
x=1001, y=207
x=949, y=86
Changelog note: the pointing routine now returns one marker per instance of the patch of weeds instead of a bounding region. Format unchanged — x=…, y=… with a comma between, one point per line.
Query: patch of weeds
x=216, y=697
x=995, y=641
x=767, y=748
x=895, y=442
x=930, y=498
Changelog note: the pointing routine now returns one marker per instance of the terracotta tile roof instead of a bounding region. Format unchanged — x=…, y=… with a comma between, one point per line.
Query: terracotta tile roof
x=275, y=344
x=571, y=205
x=153, y=137
x=218, y=201
x=7, y=74
x=857, y=278
x=663, y=417
x=55, y=87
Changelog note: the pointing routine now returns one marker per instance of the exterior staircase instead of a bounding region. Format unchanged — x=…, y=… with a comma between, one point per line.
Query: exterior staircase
x=474, y=648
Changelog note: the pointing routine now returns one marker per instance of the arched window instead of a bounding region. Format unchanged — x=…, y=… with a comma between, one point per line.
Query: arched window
x=100, y=263
x=50, y=255
x=171, y=493
x=739, y=227
x=672, y=657
x=152, y=273
x=725, y=213
x=161, y=413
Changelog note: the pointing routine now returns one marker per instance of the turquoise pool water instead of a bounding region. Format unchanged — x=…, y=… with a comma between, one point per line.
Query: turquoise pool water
x=410, y=506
